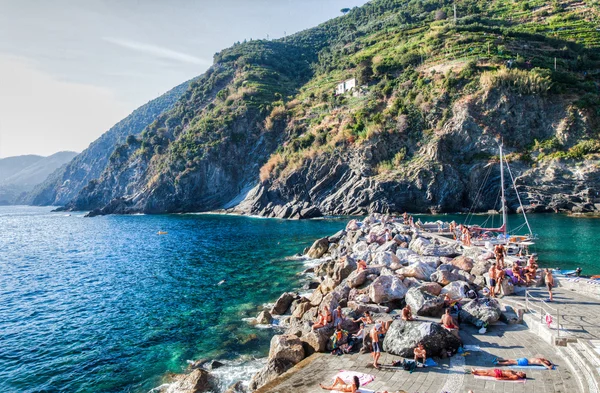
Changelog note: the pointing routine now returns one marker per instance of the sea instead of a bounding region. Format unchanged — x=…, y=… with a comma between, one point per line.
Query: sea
x=107, y=304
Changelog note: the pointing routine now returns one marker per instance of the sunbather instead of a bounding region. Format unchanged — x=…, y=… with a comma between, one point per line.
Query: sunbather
x=340, y=385
x=366, y=319
x=505, y=375
x=523, y=362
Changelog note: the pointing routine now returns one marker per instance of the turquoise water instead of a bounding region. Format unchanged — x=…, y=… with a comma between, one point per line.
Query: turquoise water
x=107, y=305
x=563, y=241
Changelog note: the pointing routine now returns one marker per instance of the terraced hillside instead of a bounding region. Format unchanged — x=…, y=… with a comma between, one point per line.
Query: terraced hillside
x=263, y=132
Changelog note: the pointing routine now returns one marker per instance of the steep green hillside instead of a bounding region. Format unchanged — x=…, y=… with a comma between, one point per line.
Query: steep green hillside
x=264, y=128
x=65, y=183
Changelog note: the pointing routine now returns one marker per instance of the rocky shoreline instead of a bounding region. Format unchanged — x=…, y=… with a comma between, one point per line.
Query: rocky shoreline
x=413, y=267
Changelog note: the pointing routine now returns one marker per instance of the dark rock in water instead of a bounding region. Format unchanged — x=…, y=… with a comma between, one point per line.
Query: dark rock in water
x=318, y=248
x=403, y=337
x=308, y=270
x=423, y=303
x=264, y=317
x=195, y=382
x=283, y=303
x=310, y=285
x=273, y=369
x=481, y=311
x=213, y=365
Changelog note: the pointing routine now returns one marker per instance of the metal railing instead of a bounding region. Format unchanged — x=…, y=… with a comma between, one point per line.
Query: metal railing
x=544, y=309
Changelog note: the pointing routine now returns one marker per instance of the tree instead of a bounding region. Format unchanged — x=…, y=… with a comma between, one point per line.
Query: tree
x=364, y=72
x=345, y=10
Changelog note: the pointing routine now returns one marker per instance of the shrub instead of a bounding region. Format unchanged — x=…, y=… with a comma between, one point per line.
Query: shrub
x=520, y=81
x=266, y=170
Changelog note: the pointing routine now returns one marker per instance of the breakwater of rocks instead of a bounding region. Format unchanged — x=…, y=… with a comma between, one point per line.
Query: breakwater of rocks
x=403, y=265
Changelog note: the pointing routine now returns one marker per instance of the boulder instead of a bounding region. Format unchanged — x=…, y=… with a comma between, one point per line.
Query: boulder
x=390, y=246
x=419, y=270
x=456, y=289
x=411, y=282
x=273, y=369
x=416, y=258
x=301, y=309
x=264, y=318
x=432, y=288
x=403, y=337
x=343, y=268
x=481, y=267
x=316, y=340
x=356, y=279
x=335, y=238
x=286, y=347
x=360, y=308
x=213, y=365
x=386, y=289
x=319, y=248
x=507, y=287
x=426, y=247
x=403, y=254
x=424, y=303
x=283, y=303
x=386, y=258
x=316, y=297
x=195, y=382
x=463, y=263
x=444, y=277
x=481, y=311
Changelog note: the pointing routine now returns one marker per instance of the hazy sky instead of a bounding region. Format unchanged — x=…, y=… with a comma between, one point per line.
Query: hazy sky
x=70, y=69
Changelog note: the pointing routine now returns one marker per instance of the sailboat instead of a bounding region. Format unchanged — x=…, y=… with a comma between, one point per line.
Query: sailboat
x=514, y=242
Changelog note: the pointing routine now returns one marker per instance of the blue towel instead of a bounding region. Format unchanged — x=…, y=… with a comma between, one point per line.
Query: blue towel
x=429, y=362
x=531, y=366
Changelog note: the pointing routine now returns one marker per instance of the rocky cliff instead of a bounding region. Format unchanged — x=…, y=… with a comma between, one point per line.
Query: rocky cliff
x=65, y=183
x=263, y=131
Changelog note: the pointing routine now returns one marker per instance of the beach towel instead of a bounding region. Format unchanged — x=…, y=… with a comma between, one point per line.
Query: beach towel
x=499, y=380
x=472, y=348
x=429, y=362
x=348, y=376
x=361, y=390
x=532, y=366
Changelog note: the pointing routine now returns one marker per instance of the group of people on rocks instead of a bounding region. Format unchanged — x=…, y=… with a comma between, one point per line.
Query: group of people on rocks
x=519, y=275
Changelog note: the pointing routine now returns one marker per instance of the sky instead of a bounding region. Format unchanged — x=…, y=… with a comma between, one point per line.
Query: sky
x=71, y=69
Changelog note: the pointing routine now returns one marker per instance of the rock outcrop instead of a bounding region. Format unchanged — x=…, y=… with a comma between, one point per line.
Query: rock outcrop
x=402, y=338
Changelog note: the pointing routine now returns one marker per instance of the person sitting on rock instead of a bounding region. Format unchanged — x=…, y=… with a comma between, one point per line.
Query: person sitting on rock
x=341, y=386
x=500, y=276
x=447, y=321
x=339, y=337
x=407, y=314
x=358, y=336
x=338, y=316
x=516, y=271
x=366, y=318
x=524, y=362
x=361, y=265
x=506, y=375
x=420, y=353
x=530, y=270
x=324, y=319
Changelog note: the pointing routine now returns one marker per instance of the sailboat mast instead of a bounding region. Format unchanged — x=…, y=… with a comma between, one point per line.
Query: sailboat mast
x=504, y=218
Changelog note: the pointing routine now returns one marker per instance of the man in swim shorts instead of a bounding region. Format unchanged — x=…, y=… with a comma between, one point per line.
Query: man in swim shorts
x=492, y=273
x=506, y=375
x=524, y=362
x=549, y=282
x=376, y=350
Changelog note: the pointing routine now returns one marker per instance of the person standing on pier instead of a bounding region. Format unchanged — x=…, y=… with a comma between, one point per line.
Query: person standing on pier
x=500, y=252
x=376, y=350
x=492, y=283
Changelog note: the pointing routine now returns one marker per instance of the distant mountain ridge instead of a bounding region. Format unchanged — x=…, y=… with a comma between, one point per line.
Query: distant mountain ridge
x=20, y=174
x=65, y=183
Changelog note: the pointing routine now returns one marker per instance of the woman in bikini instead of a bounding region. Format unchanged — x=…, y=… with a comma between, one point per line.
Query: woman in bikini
x=342, y=386
x=505, y=375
